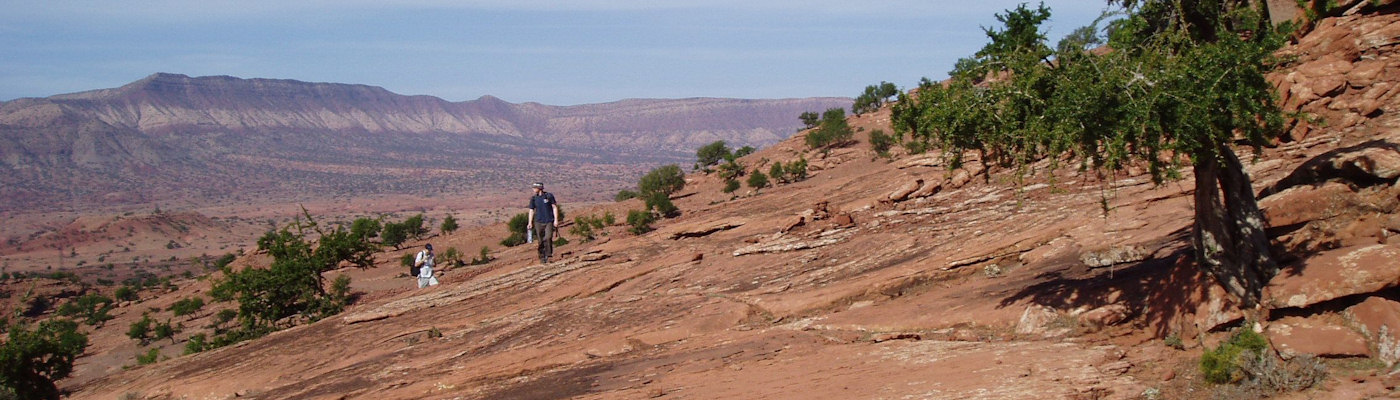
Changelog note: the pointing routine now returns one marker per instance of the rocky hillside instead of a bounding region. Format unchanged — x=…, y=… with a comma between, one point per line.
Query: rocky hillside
x=873, y=278
x=172, y=136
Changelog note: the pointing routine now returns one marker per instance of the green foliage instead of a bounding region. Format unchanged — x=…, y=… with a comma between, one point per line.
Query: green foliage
x=222, y=318
x=449, y=224
x=414, y=226
x=665, y=179
x=873, y=97
x=292, y=285
x=32, y=360
x=223, y=260
x=744, y=151
x=777, y=172
x=187, y=306
x=1222, y=364
x=624, y=195
x=164, y=330
x=809, y=119
x=149, y=357
x=1156, y=95
x=93, y=309
x=881, y=142
x=197, y=343
x=407, y=259
x=483, y=257
x=832, y=131
x=366, y=228
x=516, y=230
x=757, y=179
x=710, y=155
x=585, y=227
x=141, y=329
x=609, y=219
x=640, y=221
x=394, y=234
x=661, y=204
x=450, y=255
x=731, y=185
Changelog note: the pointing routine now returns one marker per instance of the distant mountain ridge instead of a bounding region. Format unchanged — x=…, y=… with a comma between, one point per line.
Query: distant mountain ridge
x=174, y=136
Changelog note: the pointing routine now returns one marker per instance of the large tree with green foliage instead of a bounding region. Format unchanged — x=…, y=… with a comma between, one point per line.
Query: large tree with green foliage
x=293, y=284
x=665, y=179
x=33, y=358
x=709, y=155
x=1184, y=80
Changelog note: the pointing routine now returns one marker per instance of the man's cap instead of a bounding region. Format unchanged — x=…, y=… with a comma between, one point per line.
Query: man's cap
x=537, y=185
x=428, y=246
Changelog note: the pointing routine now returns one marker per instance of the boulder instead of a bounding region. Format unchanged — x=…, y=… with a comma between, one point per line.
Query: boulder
x=1364, y=73
x=1109, y=315
x=1304, y=203
x=1294, y=336
x=843, y=220
x=1114, y=256
x=1036, y=319
x=793, y=224
x=1334, y=274
x=1329, y=65
x=1378, y=319
x=930, y=188
x=903, y=192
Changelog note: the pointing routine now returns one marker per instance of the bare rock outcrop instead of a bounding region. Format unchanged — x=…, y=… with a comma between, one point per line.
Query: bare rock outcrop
x=1335, y=274
x=1295, y=336
x=1378, y=319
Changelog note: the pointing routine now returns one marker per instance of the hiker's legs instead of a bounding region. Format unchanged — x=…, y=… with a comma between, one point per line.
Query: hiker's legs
x=544, y=242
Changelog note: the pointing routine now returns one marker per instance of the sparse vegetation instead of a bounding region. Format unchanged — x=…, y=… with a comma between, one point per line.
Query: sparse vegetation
x=873, y=97
x=141, y=329
x=187, y=306
x=292, y=285
x=93, y=309
x=450, y=256
x=586, y=227
x=881, y=143
x=149, y=357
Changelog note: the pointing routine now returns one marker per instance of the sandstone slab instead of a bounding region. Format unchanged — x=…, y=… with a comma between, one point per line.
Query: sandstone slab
x=1378, y=319
x=1334, y=274
x=1303, y=203
x=1294, y=336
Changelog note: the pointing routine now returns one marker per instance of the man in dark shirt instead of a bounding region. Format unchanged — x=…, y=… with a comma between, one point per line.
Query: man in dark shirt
x=544, y=219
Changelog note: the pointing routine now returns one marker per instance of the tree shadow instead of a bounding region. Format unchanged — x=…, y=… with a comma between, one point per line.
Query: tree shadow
x=1320, y=170
x=1161, y=289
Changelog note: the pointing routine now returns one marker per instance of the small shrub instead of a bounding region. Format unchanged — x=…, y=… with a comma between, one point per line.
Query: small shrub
x=434, y=333
x=757, y=179
x=731, y=185
x=661, y=204
x=196, y=344
x=515, y=229
x=1222, y=364
x=407, y=259
x=150, y=357
x=624, y=195
x=485, y=257
x=881, y=142
x=223, y=317
x=450, y=255
x=187, y=306
x=640, y=221
x=141, y=329
x=449, y=224
x=609, y=219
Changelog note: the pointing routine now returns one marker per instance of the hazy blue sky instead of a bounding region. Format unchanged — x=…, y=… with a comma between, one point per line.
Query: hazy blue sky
x=552, y=52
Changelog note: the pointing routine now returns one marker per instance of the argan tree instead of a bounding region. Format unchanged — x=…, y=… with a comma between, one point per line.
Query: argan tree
x=1182, y=82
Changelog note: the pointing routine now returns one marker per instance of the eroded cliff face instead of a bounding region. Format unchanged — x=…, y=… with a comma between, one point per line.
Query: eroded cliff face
x=173, y=133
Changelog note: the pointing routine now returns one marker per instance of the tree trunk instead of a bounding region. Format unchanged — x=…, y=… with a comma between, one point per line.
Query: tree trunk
x=1229, y=237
